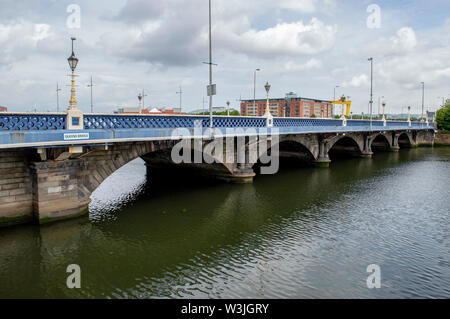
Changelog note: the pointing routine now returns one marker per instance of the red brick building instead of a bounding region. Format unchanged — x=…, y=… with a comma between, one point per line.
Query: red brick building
x=3, y=109
x=291, y=106
x=277, y=107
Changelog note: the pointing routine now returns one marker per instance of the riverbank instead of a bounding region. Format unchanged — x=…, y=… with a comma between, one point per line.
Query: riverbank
x=442, y=139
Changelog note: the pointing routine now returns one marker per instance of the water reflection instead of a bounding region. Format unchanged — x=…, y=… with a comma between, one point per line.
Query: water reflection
x=300, y=233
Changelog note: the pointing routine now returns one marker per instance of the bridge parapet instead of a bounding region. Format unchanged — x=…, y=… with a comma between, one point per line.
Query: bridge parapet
x=57, y=121
x=50, y=129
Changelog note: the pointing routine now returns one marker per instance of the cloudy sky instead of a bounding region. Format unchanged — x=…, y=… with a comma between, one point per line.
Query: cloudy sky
x=304, y=46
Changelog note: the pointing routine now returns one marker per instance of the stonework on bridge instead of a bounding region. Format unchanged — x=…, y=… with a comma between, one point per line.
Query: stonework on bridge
x=49, y=184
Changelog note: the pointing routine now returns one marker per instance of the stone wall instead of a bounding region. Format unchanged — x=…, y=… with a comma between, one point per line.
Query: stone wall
x=16, y=198
x=442, y=139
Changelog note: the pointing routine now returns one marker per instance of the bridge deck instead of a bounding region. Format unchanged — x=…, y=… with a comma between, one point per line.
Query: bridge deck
x=49, y=129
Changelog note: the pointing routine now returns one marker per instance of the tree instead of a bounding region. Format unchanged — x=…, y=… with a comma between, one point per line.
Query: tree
x=443, y=118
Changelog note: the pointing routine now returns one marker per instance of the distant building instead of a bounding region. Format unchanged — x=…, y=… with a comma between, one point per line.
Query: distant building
x=154, y=110
x=290, y=106
x=217, y=109
x=3, y=109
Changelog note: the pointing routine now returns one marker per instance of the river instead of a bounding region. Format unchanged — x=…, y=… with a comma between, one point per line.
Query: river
x=302, y=233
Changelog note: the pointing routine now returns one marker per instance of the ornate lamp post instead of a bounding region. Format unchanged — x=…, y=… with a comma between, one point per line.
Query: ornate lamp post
x=384, y=114
x=73, y=61
x=228, y=108
x=267, y=87
x=140, y=103
x=267, y=115
x=409, y=115
x=74, y=116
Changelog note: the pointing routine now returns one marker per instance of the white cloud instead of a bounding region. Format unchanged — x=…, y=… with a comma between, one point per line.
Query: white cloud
x=357, y=81
x=19, y=38
x=299, y=5
x=285, y=39
x=405, y=40
x=313, y=63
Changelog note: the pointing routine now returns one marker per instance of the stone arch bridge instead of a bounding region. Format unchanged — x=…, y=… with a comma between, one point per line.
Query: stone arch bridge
x=48, y=173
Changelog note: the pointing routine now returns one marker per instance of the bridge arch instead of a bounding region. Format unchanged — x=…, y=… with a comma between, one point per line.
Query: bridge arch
x=380, y=143
x=345, y=145
x=405, y=140
x=292, y=151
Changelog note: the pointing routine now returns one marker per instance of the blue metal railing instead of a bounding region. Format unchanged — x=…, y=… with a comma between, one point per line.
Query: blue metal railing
x=45, y=129
x=32, y=122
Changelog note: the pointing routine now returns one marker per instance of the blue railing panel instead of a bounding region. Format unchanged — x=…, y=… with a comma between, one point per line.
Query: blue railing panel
x=32, y=122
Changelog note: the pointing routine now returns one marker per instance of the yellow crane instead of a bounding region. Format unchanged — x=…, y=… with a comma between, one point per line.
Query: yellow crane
x=343, y=101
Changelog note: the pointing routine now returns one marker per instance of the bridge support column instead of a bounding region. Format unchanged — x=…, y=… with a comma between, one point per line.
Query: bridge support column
x=323, y=161
x=367, y=150
x=57, y=191
x=395, y=147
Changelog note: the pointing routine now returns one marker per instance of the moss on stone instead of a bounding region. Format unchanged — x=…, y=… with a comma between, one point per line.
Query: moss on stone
x=324, y=164
x=47, y=219
x=14, y=220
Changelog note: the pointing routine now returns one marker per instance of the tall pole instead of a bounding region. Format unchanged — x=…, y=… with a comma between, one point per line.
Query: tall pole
x=57, y=97
x=334, y=96
x=371, y=91
x=203, y=104
x=254, y=88
x=92, y=105
x=423, y=98
x=143, y=98
x=334, y=99
x=210, y=71
x=181, y=93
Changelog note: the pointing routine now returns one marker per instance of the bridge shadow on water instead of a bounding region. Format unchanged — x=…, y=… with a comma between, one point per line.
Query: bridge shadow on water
x=145, y=237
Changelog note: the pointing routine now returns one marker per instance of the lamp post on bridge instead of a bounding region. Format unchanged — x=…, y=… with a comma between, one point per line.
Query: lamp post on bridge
x=74, y=119
x=423, y=98
x=140, y=103
x=409, y=115
x=371, y=90
x=267, y=114
x=73, y=61
x=57, y=97
x=228, y=108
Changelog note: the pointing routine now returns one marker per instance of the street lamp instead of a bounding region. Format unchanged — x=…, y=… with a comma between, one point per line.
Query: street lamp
x=371, y=90
x=91, y=86
x=228, y=108
x=379, y=101
x=140, y=102
x=267, y=87
x=73, y=61
x=334, y=96
x=423, y=98
x=384, y=114
x=254, y=87
x=409, y=115
x=57, y=97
